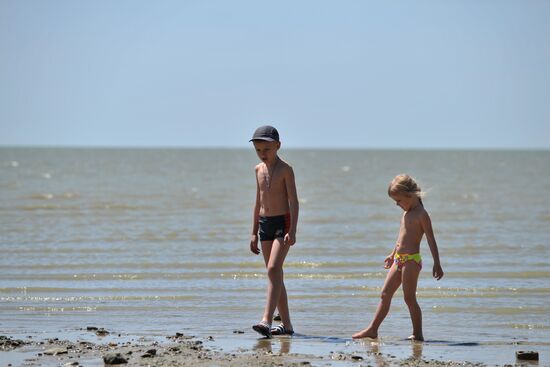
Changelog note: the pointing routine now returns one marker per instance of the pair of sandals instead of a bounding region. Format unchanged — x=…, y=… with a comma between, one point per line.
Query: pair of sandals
x=266, y=330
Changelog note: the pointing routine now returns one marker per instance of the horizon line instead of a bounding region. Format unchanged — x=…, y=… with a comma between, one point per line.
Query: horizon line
x=213, y=147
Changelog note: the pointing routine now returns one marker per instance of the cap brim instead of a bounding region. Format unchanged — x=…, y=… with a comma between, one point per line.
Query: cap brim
x=262, y=138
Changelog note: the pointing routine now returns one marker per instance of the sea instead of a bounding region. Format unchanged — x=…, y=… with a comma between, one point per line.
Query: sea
x=150, y=242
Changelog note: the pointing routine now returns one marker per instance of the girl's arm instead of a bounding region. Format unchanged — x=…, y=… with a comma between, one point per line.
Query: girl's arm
x=388, y=261
x=255, y=219
x=290, y=237
x=426, y=223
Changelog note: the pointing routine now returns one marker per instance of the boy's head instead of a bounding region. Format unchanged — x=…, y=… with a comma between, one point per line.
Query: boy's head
x=266, y=133
x=266, y=142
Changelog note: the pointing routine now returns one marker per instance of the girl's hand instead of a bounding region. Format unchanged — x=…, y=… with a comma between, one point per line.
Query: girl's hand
x=437, y=271
x=254, y=244
x=388, y=261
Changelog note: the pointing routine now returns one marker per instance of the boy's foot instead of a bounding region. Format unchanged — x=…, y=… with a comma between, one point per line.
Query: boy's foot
x=263, y=328
x=277, y=318
x=416, y=338
x=365, y=333
x=281, y=330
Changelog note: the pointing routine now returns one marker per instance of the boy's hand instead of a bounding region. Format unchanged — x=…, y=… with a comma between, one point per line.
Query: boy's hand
x=290, y=239
x=437, y=271
x=254, y=244
x=388, y=261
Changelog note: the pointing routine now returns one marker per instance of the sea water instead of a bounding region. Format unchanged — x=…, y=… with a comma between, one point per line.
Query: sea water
x=156, y=241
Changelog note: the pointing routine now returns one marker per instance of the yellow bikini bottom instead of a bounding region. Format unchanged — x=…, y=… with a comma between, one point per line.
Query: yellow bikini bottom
x=401, y=259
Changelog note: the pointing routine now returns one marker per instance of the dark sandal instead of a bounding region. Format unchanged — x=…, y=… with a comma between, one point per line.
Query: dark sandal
x=263, y=329
x=281, y=330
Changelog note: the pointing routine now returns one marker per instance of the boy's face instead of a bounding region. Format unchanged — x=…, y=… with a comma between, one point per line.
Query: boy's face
x=267, y=150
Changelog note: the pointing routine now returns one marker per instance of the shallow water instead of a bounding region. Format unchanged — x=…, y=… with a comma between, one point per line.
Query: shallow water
x=151, y=241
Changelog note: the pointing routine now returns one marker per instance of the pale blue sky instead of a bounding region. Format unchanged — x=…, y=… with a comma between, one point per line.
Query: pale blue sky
x=388, y=74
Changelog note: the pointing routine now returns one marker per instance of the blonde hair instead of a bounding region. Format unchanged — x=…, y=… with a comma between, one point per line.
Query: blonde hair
x=405, y=184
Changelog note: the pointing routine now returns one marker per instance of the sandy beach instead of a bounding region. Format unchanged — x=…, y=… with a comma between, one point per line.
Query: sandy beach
x=181, y=350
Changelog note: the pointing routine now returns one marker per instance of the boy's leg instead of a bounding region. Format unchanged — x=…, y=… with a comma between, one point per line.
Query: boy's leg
x=282, y=306
x=392, y=283
x=411, y=271
x=276, y=253
x=266, y=252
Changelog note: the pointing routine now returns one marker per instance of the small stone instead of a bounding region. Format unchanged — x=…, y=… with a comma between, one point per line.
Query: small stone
x=356, y=358
x=238, y=332
x=91, y=328
x=55, y=351
x=114, y=358
x=102, y=332
x=152, y=352
x=527, y=355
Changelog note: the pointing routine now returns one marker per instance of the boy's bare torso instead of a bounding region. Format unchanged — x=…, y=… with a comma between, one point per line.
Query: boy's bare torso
x=410, y=231
x=272, y=188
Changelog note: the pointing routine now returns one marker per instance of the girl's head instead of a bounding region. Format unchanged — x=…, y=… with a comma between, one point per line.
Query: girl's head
x=405, y=191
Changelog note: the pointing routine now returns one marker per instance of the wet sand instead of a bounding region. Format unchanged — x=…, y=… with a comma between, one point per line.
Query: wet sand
x=182, y=350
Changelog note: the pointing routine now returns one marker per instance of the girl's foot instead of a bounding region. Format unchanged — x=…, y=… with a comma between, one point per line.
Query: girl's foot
x=365, y=333
x=419, y=338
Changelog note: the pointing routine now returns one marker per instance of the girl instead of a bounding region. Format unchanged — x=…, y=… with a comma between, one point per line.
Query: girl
x=405, y=262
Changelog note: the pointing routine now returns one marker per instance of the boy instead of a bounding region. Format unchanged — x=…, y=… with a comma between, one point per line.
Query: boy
x=275, y=217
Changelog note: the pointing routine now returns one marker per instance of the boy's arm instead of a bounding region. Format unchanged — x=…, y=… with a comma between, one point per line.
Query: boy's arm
x=255, y=219
x=426, y=223
x=293, y=205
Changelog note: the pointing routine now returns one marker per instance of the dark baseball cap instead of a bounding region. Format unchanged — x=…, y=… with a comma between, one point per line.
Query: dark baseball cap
x=267, y=133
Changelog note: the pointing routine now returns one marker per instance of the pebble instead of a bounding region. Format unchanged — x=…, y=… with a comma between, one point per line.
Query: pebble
x=55, y=351
x=527, y=355
x=101, y=332
x=114, y=358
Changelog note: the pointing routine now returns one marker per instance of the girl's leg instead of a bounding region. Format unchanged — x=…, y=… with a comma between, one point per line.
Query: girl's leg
x=392, y=283
x=274, y=255
x=411, y=271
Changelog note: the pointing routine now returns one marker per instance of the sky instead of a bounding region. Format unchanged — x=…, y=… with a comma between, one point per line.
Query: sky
x=327, y=74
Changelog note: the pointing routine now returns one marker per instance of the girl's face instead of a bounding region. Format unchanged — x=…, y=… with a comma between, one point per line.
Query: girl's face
x=404, y=201
x=267, y=150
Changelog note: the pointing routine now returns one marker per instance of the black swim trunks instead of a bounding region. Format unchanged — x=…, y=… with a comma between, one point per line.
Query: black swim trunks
x=274, y=227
